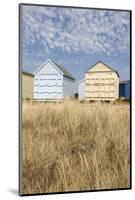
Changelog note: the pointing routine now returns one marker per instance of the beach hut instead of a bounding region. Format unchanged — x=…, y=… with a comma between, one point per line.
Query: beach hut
x=27, y=85
x=101, y=83
x=124, y=89
x=81, y=89
x=53, y=82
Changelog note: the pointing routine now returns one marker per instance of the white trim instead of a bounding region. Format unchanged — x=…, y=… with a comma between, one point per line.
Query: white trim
x=48, y=60
x=81, y=81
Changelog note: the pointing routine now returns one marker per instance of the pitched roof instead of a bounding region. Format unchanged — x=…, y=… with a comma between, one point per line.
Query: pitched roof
x=27, y=73
x=124, y=82
x=59, y=67
x=66, y=73
x=103, y=64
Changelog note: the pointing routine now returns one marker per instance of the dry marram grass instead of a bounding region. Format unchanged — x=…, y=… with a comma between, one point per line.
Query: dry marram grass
x=72, y=147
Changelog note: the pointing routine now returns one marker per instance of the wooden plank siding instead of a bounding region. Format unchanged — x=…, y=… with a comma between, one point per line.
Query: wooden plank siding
x=27, y=85
x=102, y=83
x=53, y=82
x=81, y=89
x=124, y=89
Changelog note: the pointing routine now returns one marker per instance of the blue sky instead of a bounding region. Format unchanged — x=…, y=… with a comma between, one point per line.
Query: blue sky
x=75, y=38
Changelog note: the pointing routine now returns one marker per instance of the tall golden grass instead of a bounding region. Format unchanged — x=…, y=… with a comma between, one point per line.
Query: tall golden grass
x=72, y=147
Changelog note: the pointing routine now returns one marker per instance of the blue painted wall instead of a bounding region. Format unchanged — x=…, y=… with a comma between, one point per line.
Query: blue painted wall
x=124, y=90
x=127, y=90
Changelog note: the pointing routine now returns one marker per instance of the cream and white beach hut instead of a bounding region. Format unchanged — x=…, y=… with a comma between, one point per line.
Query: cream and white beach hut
x=101, y=83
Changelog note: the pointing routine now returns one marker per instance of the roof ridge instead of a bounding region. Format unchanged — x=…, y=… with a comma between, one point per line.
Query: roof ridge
x=105, y=65
x=64, y=70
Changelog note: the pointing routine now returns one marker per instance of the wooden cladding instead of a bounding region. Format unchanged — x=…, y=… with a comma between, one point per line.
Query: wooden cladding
x=100, y=85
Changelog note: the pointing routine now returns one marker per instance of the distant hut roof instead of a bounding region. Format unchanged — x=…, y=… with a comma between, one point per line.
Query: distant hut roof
x=27, y=73
x=81, y=80
x=124, y=82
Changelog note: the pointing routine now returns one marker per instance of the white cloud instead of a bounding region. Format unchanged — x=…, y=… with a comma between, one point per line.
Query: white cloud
x=77, y=30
